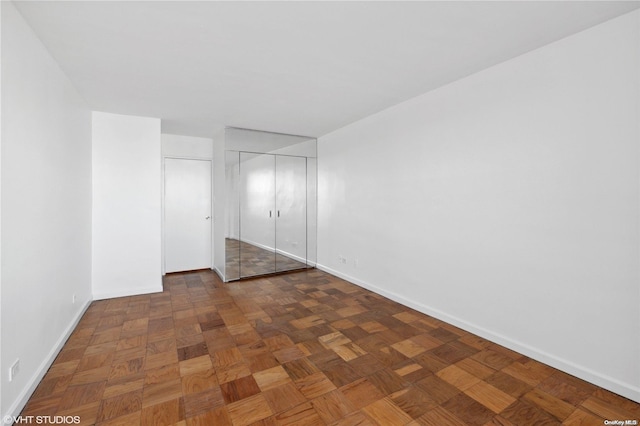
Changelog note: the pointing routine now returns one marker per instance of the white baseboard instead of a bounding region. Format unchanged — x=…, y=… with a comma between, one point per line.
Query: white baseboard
x=219, y=273
x=125, y=293
x=627, y=390
x=39, y=374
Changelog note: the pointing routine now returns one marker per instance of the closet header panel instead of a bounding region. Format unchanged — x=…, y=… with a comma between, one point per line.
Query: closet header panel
x=269, y=143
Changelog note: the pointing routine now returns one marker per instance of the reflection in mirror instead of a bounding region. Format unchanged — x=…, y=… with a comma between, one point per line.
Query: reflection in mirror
x=291, y=213
x=257, y=214
x=232, y=216
x=312, y=185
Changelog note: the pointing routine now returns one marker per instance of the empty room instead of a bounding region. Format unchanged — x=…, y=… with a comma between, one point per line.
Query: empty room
x=320, y=213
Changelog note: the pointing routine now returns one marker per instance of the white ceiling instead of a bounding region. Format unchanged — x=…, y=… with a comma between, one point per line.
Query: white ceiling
x=303, y=68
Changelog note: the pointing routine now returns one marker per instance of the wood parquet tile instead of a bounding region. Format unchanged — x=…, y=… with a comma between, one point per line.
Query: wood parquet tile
x=304, y=348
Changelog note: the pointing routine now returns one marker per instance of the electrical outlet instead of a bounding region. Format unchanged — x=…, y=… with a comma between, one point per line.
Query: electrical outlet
x=14, y=370
x=73, y=299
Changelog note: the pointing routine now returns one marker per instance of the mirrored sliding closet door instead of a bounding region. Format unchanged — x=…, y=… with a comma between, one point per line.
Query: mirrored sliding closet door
x=291, y=213
x=270, y=207
x=257, y=214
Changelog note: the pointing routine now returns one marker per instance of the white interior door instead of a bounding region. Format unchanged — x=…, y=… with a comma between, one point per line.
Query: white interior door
x=187, y=214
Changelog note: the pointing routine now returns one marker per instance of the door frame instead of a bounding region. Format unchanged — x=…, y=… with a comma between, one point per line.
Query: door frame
x=163, y=250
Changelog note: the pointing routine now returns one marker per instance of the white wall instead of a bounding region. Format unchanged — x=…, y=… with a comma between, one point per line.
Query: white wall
x=46, y=208
x=127, y=212
x=506, y=203
x=186, y=146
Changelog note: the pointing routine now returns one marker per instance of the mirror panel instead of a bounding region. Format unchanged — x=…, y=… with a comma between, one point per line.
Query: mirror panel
x=291, y=213
x=257, y=214
x=312, y=211
x=232, y=216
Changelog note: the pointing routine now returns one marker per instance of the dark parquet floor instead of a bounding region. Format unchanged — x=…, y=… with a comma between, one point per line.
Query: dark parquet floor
x=304, y=348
